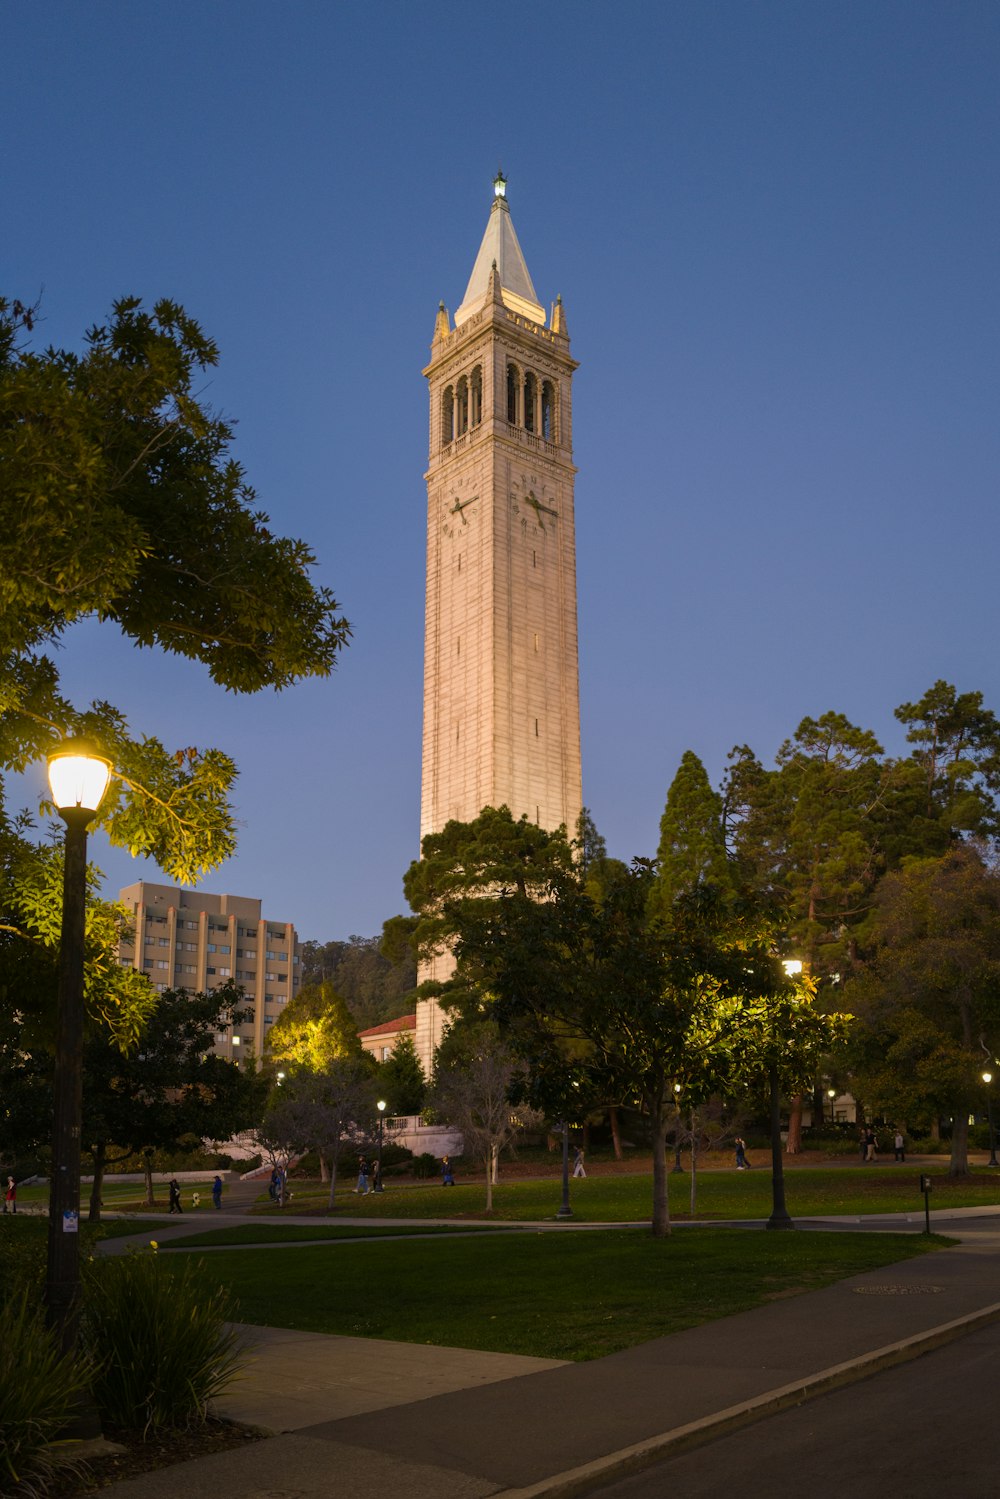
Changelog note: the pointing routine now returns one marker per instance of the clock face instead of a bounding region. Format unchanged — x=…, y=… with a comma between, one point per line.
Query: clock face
x=458, y=508
x=531, y=504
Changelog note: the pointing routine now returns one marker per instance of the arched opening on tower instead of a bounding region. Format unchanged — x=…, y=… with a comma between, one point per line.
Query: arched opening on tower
x=548, y=411
x=462, y=407
x=513, y=395
x=530, y=403
x=448, y=415
x=476, y=396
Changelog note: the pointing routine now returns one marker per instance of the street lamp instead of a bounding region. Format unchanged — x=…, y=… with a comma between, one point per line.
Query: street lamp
x=831, y=1094
x=78, y=779
x=987, y=1079
x=381, y=1122
x=677, y=1169
x=565, y=1211
x=779, y=1213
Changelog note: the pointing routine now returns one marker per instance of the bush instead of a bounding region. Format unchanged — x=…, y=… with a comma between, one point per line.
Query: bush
x=425, y=1165
x=159, y=1342
x=39, y=1388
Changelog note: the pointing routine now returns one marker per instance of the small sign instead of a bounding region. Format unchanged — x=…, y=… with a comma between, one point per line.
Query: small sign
x=925, y=1184
x=71, y=1221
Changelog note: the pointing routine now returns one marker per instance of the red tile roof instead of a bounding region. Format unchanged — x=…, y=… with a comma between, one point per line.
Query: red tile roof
x=404, y=1023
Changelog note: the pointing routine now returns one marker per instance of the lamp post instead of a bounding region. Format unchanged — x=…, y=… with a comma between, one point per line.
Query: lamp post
x=565, y=1211
x=381, y=1122
x=987, y=1079
x=831, y=1094
x=677, y=1169
x=78, y=779
x=779, y=1213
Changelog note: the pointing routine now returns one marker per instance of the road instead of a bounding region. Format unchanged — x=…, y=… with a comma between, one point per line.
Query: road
x=925, y=1430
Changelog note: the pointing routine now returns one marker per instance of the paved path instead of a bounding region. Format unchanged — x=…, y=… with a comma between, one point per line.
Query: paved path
x=467, y=1425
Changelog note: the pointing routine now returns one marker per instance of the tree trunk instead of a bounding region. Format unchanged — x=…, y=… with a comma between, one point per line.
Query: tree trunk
x=99, y=1156
x=324, y=1169
x=150, y=1200
x=616, y=1133
x=694, y=1165
x=661, y=1202
x=794, y=1142
x=333, y=1179
x=959, y=1163
x=495, y=1164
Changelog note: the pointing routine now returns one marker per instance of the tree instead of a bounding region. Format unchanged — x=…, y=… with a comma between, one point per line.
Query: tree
x=171, y=1089
x=314, y=1029
x=401, y=1078
x=121, y=501
x=692, y=841
x=329, y=1111
x=376, y=986
x=475, y=1075
x=928, y=997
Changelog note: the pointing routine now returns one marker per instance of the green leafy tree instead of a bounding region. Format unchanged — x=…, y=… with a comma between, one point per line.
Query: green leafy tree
x=376, y=987
x=692, y=845
x=401, y=1078
x=314, y=1029
x=928, y=997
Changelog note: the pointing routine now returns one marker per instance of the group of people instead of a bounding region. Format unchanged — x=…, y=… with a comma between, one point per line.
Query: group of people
x=869, y=1145
x=369, y=1176
x=174, y=1193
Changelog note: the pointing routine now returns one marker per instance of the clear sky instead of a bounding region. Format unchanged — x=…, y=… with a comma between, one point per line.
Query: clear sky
x=776, y=232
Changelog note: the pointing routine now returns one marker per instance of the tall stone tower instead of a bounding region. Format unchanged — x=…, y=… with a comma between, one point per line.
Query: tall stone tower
x=501, y=694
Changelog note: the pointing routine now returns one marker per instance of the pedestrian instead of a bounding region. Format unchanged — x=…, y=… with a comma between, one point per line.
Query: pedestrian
x=272, y=1190
x=741, y=1154
x=376, y=1176
x=863, y=1142
x=871, y=1145
x=447, y=1175
x=175, y=1196
x=217, y=1193
x=899, y=1146
x=10, y=1196
x=362, y=1186
x=578, y=1167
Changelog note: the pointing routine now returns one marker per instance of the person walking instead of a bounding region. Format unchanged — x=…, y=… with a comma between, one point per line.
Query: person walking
x=447, y=1175
x=578, y=1167
x=741, y=1154
x=362, y=1186
x=899, y=1146
x=217, y=1193
x=10, y=1196
x=376, y=1176
x=175, y=1196
x=871, y=1145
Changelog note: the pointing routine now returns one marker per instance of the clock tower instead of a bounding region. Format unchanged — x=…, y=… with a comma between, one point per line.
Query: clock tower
x=501, y=695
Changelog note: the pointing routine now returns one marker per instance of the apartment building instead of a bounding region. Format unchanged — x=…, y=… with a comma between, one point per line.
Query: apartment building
x=186, y=939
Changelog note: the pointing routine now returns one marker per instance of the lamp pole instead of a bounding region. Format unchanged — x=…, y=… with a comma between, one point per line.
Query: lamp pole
x=779, y=1213
x=565, y=1211
x=78, y=779
x=381, y=1121
x=831, y=1094
x=987, y=1079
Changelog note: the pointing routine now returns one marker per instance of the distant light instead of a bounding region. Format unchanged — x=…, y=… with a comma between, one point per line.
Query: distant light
x=831, y=1092
x=987, y=1077
x=236, y=1040
x=78, y=776
x=499, y=185
x=381, y=1105
x=792, y=966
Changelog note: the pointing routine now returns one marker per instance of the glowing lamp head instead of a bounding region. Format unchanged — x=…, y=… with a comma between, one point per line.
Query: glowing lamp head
x=78, y=777
x=381, y=1105
x=987, y=1077
x=831, y=1092
x=499, y=185
x=792, y=966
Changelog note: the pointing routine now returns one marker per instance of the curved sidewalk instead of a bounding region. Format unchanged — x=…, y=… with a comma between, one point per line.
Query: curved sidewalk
x=436, y=1429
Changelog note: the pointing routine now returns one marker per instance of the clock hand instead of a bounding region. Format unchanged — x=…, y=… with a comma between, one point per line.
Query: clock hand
x=460, y=505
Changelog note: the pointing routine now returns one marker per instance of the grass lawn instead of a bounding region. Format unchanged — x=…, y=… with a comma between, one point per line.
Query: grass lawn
x=616, y=1199
x=575, y=1297
x=283, y=1233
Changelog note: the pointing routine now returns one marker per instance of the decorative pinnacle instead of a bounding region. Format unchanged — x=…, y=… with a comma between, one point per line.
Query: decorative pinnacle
x=499, y=184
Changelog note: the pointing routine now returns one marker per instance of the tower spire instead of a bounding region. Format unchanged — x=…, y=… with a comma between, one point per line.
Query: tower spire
x=500, y=246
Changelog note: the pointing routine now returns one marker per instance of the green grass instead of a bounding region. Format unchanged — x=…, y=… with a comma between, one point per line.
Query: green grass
x=283, y=1233
x=573, y=1296
x=627, y=1198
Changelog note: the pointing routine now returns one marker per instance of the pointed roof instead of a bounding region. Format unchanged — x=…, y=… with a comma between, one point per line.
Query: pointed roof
x=500, y=248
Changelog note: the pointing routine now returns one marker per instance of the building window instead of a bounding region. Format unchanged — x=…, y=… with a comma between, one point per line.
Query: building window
x=548, y=411
x=161, y=963
x=224, y=949
x=149, y=942
x=226, y=972
x=513, y=393
x=209, y=970
x=211, y=947
x=164, y=941
x=530, y=402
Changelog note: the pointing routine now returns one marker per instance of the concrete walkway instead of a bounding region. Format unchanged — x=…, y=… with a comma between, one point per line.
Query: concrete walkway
x=358, y=1418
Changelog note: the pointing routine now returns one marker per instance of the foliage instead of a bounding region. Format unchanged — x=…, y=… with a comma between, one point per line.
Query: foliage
x=401, y=1078
x=159, y=1341
x=375, y=982
x=331, y=1111
x=314, y=1029
x=474, y=1078
x=928, y=998
x=39, y=1388
x=692, y=845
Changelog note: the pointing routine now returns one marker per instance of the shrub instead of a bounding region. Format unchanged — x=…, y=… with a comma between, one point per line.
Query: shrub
x=39, y=1388
x=425, y=1165
x=159, y=1341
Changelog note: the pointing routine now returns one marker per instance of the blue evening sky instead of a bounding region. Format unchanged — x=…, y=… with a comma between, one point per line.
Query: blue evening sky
x=775, y=229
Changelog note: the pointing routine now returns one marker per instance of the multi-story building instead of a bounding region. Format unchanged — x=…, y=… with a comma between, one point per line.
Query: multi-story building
x=184, y=939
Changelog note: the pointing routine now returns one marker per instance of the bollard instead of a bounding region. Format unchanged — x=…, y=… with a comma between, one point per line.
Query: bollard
x=925, y=1187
